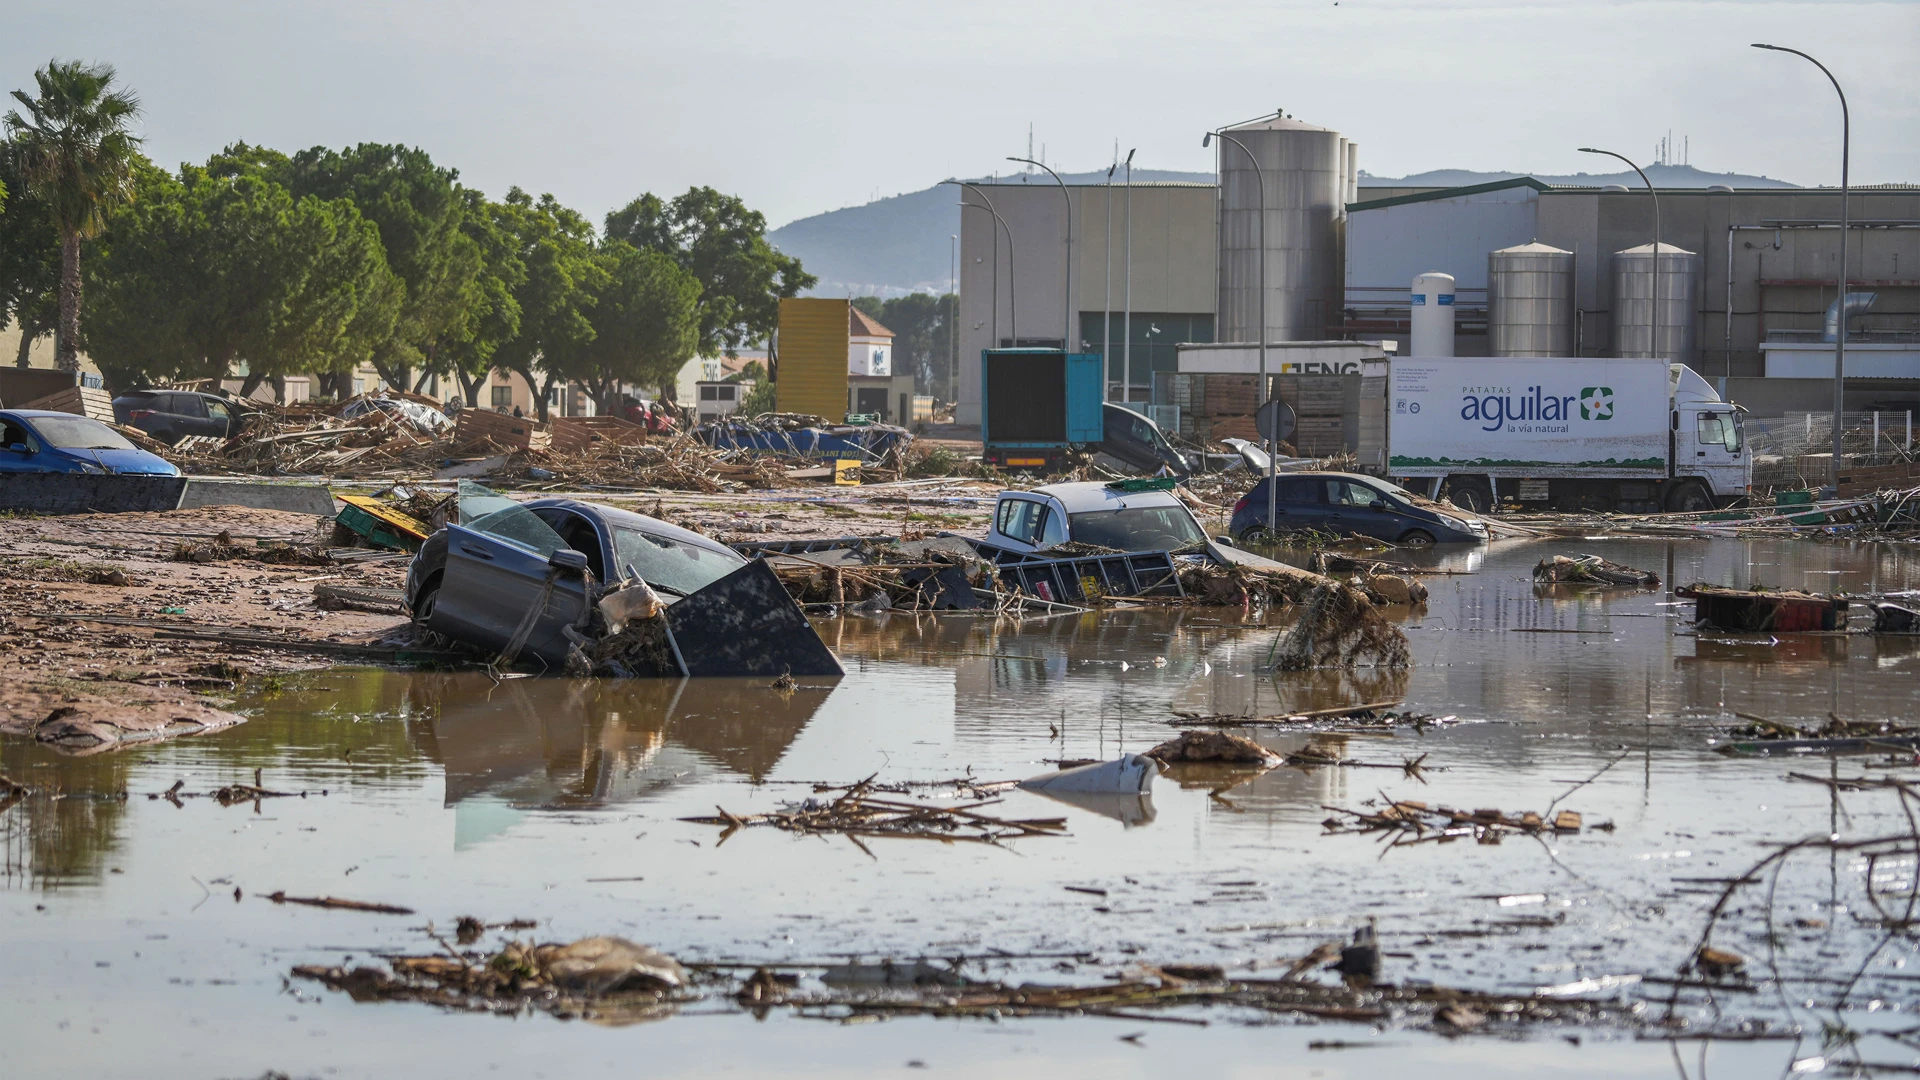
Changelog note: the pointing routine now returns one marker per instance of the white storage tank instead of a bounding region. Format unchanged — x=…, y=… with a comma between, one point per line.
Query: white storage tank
x=1432, y=315
x=1530, y=301
x=1311, y=174
x=1634, y=302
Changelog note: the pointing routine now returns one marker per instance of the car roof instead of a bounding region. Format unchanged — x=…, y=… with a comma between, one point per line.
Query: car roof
x=34, y=414
x=613, y=515
x=1331, y=476
x=154, y=391
x=1094, y=495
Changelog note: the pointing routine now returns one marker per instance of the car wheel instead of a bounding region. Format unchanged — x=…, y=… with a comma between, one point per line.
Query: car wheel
x=1473, y=496
x=1689, y=498
x=1416, y=538
x=1258, y=536
x=423, y=604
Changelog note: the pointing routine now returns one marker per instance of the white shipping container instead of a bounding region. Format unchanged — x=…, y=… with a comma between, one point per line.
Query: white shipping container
x=1528, y=416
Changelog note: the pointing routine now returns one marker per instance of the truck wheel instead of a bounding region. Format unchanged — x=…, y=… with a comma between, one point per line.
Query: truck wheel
x=1689, y=497
x=1471, y=493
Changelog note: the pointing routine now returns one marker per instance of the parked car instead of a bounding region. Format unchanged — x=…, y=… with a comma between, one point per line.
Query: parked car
x=1343, y=503
x=34, y=441
x=172, y=415
x=1122, y=516
x=473, y=582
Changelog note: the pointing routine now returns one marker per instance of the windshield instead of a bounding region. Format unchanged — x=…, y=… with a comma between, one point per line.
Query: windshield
x=487, y=511
x=78, y=433
x=671, y=564
x=1140, y=528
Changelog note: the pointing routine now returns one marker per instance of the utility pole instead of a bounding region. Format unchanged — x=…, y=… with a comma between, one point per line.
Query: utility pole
x=953, y=314
x=1126, y=322
x=1106, y=300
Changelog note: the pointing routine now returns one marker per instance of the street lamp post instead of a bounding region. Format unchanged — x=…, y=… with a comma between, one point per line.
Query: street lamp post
x=1840, y=335
x=1106, y=301
x=1653, y=348
x=1013, y=300
x=1260, y=176
x=1066, y=313
x=1126, y=318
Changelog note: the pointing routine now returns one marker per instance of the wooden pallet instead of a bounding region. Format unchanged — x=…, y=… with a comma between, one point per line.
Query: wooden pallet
x=506, y=432
x=572, y=434
x=79, y=400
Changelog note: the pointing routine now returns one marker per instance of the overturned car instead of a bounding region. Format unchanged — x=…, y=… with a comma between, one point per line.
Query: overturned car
x=580, y=588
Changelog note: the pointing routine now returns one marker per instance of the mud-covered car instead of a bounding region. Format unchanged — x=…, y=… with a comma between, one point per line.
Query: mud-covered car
x=1343, y=503
x=479, y=582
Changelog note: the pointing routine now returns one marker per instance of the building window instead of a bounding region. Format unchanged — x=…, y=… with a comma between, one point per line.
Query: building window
x=503, y=397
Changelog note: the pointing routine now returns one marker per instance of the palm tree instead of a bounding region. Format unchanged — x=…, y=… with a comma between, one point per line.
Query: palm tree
x=76, y=157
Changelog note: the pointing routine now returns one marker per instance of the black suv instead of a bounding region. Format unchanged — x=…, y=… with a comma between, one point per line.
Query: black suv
x=172, y=415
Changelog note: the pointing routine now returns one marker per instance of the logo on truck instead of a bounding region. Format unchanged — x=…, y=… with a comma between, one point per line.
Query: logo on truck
x=1596, y=403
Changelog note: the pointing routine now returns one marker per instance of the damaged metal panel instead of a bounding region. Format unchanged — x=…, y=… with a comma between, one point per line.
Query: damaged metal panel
x=1078, y=578
x=84, y=493
x=747, y=624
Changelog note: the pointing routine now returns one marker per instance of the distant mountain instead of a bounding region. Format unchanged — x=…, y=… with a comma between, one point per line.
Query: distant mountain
x=1666, y=176
x=894, y=246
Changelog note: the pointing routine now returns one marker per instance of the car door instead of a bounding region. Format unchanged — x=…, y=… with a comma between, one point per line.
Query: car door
x=20, y=451
x=219, y=419
x=190, y=414
x=497, y=570
x=1350, y=506
x=1299, y=503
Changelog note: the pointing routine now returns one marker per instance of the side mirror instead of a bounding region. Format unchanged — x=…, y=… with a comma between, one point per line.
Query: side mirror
x=20, y=448
x=1227, y=540
x=1377, y=504
x=568, y=560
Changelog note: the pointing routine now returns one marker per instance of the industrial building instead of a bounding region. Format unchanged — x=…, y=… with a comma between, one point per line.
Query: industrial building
x=1747, y=277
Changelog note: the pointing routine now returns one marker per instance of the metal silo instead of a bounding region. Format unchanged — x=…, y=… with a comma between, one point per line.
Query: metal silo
x=1530, y=301
x=1309, y=172
x=1633, y=303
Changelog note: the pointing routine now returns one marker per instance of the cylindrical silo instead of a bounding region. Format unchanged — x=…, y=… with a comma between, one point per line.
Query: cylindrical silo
x=1633, y=302
x=1308, y=172
x=1432, y=316
x=1530, y=301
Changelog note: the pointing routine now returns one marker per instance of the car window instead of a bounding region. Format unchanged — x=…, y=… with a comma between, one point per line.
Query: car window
x=187, y=405
x=1348, y=493
x=1053, y=529
x=78, y=433
x=1715, y=429
x=1137, y=528
x=13, y=434
x=1298, y=492
x=218, y=411
x=487, y=511
x=1020, y=519
x=665, y=562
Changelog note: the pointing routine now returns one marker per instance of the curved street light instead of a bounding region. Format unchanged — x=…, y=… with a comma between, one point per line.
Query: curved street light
x=1653, y=345
x=1066, y=334
x=1260, y=176
x=1013, y=304
x=1840, y=335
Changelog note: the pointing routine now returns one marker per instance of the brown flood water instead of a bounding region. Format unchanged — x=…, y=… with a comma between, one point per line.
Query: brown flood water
x=127, y=953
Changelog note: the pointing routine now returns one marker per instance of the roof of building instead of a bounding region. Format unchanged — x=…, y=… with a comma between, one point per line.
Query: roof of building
x=861, y=324
x=1450, y=193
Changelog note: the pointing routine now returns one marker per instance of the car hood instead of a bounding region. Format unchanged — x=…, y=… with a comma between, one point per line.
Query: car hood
x=123, y=461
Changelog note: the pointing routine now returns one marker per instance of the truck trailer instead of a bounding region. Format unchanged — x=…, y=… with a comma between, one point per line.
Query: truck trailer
x=1040, y=405
x=1628, y=435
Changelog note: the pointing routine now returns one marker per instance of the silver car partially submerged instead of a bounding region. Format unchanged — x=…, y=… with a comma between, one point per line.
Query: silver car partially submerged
x=522, y=581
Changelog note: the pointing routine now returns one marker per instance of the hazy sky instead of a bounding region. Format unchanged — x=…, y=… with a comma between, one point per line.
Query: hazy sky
x=807, y=105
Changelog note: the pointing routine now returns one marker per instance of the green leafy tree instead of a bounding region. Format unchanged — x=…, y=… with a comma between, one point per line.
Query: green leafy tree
x=646, y=322
x=923, y=341
x=29, y=260
x=724, y=246
x=555, y=247
x=77, y=158
x=205, y=272
x=420, y=212
x=466, y=352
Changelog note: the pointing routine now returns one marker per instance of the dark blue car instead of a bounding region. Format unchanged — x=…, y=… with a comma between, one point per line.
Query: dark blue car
x=32, y=441
x=1343, y=503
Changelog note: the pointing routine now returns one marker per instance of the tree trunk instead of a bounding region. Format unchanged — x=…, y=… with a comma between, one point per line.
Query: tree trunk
x=470, y=386
x=419, y=385
x=395, y=377
x=66, y=349
x=26, y=348
x=251, y=383
x=539, y=392
x=280, y=389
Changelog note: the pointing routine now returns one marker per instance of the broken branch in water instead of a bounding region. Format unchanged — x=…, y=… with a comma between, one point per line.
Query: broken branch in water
x=858, y=812
x=339, y=904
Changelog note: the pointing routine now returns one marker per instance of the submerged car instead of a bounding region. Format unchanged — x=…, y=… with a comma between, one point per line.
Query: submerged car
x=35, y=441
x=1343, y=503
x=525, y=573
x=1122, y=516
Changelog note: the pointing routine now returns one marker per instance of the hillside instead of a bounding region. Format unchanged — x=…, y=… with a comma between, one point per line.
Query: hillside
x=899, y=245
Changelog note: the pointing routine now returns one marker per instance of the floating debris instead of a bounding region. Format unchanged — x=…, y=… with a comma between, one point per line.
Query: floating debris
x=859, y=812
x=1339, y=627
x=1592, y=570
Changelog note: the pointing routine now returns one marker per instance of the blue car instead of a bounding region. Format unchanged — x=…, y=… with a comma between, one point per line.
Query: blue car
x=33, y=441
x=1343, y=503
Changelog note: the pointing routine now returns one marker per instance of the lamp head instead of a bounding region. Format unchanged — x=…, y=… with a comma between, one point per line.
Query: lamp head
x=1770, y=48
x=1591, y=150
x=1206, y=140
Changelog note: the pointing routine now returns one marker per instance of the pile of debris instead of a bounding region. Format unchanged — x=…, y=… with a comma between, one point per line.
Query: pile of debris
x=1339, y=626
x=222, y=548
x=1592, y=570
x=1416, y=822
x=858, y=812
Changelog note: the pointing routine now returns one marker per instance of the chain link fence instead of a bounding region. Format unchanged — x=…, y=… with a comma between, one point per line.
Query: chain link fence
x=1796, y=450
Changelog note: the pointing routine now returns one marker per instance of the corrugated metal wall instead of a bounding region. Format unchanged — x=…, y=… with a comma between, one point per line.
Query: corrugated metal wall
x=813, y=357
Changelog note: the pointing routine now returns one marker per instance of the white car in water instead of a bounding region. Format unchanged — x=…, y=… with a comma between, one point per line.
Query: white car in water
x=1124, y=516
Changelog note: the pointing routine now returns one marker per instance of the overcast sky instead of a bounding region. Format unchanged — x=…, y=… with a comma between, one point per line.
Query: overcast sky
x=801, y=107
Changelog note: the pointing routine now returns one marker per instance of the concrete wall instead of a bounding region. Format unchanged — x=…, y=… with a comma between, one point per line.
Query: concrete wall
x=1172, y=263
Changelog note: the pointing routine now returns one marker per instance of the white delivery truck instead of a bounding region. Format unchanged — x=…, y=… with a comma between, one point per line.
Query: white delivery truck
x=1632, y=435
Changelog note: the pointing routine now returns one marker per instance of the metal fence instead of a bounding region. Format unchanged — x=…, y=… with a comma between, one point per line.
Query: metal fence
x=1796, y=450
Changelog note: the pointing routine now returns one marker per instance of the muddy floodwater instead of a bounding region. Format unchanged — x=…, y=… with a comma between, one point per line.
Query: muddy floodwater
x=137, y=940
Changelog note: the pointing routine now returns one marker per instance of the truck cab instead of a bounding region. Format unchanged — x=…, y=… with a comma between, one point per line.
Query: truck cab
x=1711, y=462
